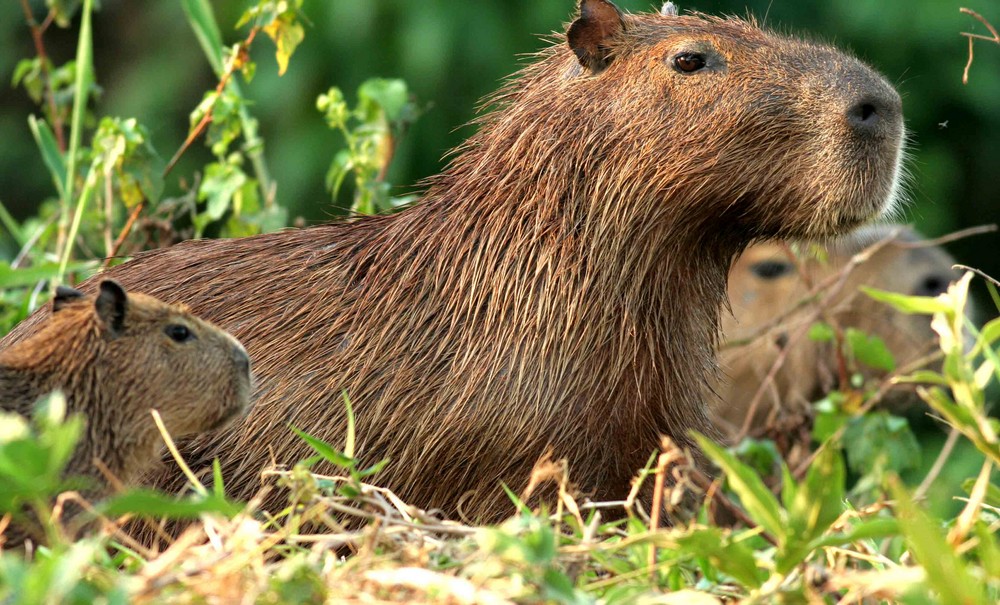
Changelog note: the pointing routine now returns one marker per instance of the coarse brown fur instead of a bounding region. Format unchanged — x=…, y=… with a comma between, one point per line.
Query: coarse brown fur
x=765, y=284
x=559, y=284
x=114, y=359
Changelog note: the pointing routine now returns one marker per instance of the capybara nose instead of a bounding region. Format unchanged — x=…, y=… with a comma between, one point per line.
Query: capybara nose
x=875, y=113
x=242, y=359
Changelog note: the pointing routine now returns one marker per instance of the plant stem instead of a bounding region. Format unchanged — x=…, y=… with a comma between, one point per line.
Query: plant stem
x=84, y=76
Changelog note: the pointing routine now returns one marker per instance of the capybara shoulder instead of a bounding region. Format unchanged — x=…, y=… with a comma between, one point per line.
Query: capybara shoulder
x=558, y=287
x=770, y=282
x=115, y=356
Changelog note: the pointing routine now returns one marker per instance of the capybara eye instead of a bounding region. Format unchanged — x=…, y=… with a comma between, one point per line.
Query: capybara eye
x=771, y=269
x=179, y=333
x=689, y=62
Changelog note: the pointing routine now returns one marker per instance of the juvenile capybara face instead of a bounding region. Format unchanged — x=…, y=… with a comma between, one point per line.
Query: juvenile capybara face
x=558, y=287
x=116, y=356
x=766, y=283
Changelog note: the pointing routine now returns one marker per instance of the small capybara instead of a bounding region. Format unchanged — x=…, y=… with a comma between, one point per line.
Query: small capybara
x=766, y=284
x=558, y=287
x=115, y=356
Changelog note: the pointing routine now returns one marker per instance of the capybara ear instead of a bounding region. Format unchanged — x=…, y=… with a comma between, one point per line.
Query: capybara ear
x=590, y=35
x=111, y=305
x=64, y=296
x=669, y=9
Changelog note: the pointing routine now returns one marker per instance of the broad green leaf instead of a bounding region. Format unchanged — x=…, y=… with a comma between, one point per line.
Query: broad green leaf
x=870, y=350
x=389, y=96
x=732, y=558
x=881, y=440
x=222, y=181
x=759, y=502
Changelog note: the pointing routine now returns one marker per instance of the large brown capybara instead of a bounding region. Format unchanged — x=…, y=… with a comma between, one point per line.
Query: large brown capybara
x=115, y=356
x=766, y=284
x=558, y=287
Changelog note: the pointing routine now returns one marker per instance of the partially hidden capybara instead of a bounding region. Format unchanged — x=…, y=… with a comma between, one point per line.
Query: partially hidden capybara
x=558, y=287
x=115, y=356
x=768, y=284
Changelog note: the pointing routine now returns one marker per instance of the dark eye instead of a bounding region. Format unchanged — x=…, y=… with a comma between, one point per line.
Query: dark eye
x=771, y=269
x=689, y=62
x=179, y=333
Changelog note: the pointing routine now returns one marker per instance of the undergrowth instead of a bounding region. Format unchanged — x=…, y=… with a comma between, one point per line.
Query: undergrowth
x=849, y=523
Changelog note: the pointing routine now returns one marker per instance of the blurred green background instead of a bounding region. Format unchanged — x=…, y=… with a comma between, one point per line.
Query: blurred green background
x=453, y=52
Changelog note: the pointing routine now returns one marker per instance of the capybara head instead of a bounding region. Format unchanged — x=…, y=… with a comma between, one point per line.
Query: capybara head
x=715, y=118
x=558, y=287
x=767, y=284
x=115, y=356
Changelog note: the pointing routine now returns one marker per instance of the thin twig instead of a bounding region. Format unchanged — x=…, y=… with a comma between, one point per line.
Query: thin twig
x=36, y=35
x=121, y=236
x=938, y=465
x=995, y=38
x=234, y=63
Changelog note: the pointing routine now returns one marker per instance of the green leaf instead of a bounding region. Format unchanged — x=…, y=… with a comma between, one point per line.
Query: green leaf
x=202, y=21
x=817, y=503
x=871, y=529
x=63, y=10
x=947, y=574
x=287, y=35
x=881, y=440
x=325, y=450
x=759, y=502
x=921, y=305
x=8, y=221
x=30, y=276
x=341, y=165
x=53, y=159
x=150, y=503
x=349, y=441
x=870, y=350
x=388, y=96
x=731, y=557
x=821, y=332
x=992, y=492
x=222, y=181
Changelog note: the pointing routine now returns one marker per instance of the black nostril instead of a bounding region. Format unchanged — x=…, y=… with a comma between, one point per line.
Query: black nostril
x=863, y=115
x=867, y=111
x=932, y=285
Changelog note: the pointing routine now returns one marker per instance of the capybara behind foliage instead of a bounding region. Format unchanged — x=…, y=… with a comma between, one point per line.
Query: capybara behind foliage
x=558, y=287
x=765, y=284
x=115, y=356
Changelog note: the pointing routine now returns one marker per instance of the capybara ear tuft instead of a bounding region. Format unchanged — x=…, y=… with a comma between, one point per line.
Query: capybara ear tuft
x=591, y=34
x=111, y=305
x=64, y=296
